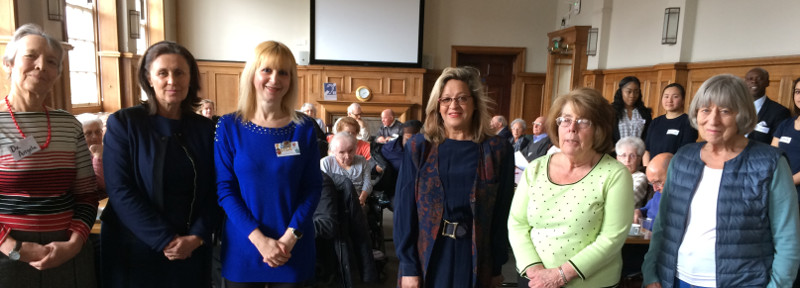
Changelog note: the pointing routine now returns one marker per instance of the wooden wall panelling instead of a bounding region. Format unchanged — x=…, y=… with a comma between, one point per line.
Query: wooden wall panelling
x=129, y=80
x=394, y=88
x=575, y=37
x=782, y=71
x=219, y=82
x=529, y=88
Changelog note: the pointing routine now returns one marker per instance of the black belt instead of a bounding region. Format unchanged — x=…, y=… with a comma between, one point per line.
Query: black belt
x=454, y=230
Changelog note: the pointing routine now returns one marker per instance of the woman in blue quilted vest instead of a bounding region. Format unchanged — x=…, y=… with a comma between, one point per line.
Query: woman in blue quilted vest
x=729, y=212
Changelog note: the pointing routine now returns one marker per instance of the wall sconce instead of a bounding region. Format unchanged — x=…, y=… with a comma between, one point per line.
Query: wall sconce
x=670, y=33
x=559, y=47
x=55, y=10
x=133, y=24
x=591, y=48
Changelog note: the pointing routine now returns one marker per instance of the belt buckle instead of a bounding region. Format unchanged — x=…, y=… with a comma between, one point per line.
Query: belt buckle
x=450, y=224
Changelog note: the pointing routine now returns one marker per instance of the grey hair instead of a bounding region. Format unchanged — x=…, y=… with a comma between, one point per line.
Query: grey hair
x=89, y=118
x=308, y=106
x=31, y=29
x=339, y=137
x=520, y=121
x=502, y=120
x=352, y=107
x=730, y=92
x=631, y=141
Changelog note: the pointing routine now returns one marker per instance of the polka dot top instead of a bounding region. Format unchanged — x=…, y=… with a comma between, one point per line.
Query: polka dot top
x=584, y=223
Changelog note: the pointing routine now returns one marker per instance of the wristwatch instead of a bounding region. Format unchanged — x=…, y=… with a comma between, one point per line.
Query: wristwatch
x=14, y=254
x=297, y=234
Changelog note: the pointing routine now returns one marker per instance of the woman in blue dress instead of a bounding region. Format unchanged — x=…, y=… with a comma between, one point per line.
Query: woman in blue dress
x=787, y=136
x=672, y=130
x=268, y=177
x=454, y=190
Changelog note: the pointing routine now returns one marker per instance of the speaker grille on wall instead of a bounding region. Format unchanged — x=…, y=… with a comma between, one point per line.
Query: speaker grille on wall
x=302, y=58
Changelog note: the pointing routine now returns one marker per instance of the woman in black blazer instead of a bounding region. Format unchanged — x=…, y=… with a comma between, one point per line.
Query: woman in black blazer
x=159, y=169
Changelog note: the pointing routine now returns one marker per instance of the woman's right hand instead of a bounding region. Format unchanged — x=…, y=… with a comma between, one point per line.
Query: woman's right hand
x=410, y=282
x=272, y=251
x=653, y=285
x=31, y=252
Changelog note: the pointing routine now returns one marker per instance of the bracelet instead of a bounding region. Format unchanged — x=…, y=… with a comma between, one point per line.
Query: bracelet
x=563, y=277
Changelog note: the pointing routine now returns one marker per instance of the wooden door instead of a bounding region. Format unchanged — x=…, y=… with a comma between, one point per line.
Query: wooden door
x=497, y=74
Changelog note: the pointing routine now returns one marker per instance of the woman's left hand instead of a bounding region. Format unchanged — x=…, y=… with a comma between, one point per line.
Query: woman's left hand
x=182, y=247
x=545, y=278
x=59, y=252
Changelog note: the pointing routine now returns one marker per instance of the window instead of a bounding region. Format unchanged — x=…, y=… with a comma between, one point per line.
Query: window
x=81, y=31
x=141, y=43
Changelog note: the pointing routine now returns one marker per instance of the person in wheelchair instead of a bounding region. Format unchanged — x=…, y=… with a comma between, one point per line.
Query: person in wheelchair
x=344, y=161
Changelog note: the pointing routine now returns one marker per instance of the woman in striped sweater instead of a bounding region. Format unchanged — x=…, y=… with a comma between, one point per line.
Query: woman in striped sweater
x=48, y=200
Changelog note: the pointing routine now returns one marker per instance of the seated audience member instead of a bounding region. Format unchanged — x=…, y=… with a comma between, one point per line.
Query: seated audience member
x=392, y=151
x=539, y=129
x=354, y=111
x=499, y=126
x=519, y=141
x=629, y=153
x=391, y=127
x=208, y=109
x=350, y=125
x=93, y=131
x=537, y=149
x=344, y=161
x=310, y=110
x=656, y=175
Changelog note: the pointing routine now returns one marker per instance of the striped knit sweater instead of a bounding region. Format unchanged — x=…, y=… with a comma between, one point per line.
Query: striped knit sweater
x=50, y=190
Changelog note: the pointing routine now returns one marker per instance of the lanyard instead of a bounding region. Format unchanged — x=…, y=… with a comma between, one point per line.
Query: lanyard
x=46, y=113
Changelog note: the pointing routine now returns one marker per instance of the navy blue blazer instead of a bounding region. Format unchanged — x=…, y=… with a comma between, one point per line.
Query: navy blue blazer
x=772, y=114
x=133, y=163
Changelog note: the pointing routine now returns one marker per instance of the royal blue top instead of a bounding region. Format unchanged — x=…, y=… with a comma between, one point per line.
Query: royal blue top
x=258, y=188
x=789, y=142
x=667, y=135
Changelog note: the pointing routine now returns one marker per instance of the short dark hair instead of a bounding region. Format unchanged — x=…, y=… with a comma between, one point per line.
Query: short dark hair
x=192, y=101
x=414, y=125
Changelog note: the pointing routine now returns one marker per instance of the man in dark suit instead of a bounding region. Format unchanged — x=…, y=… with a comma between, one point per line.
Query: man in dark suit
x=770, y=113
x=499, y=124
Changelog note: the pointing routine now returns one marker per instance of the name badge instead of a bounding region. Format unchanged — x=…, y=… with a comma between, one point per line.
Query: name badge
x=287, y=148
x=24, y=148
x=786, y=140
x=762, y=127
x=673, y=132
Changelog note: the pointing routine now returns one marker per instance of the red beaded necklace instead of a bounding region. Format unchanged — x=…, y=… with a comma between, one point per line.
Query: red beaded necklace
x=46, y=113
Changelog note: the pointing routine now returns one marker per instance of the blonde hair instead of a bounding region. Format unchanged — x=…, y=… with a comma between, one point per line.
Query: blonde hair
x=277, y=56
x=434, y=124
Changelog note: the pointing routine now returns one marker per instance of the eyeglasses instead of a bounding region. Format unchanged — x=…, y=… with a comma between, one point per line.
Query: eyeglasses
x=537, y=124
x=565, y=122
x=460, y=100
x=658, y=184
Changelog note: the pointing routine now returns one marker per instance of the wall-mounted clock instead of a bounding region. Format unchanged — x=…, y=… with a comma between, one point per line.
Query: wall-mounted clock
x=363, y=93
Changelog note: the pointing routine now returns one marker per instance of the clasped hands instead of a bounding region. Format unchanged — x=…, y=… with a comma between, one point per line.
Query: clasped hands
x=49, y=255
x=274, y=252
x=541, y=277
x=181, y=247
